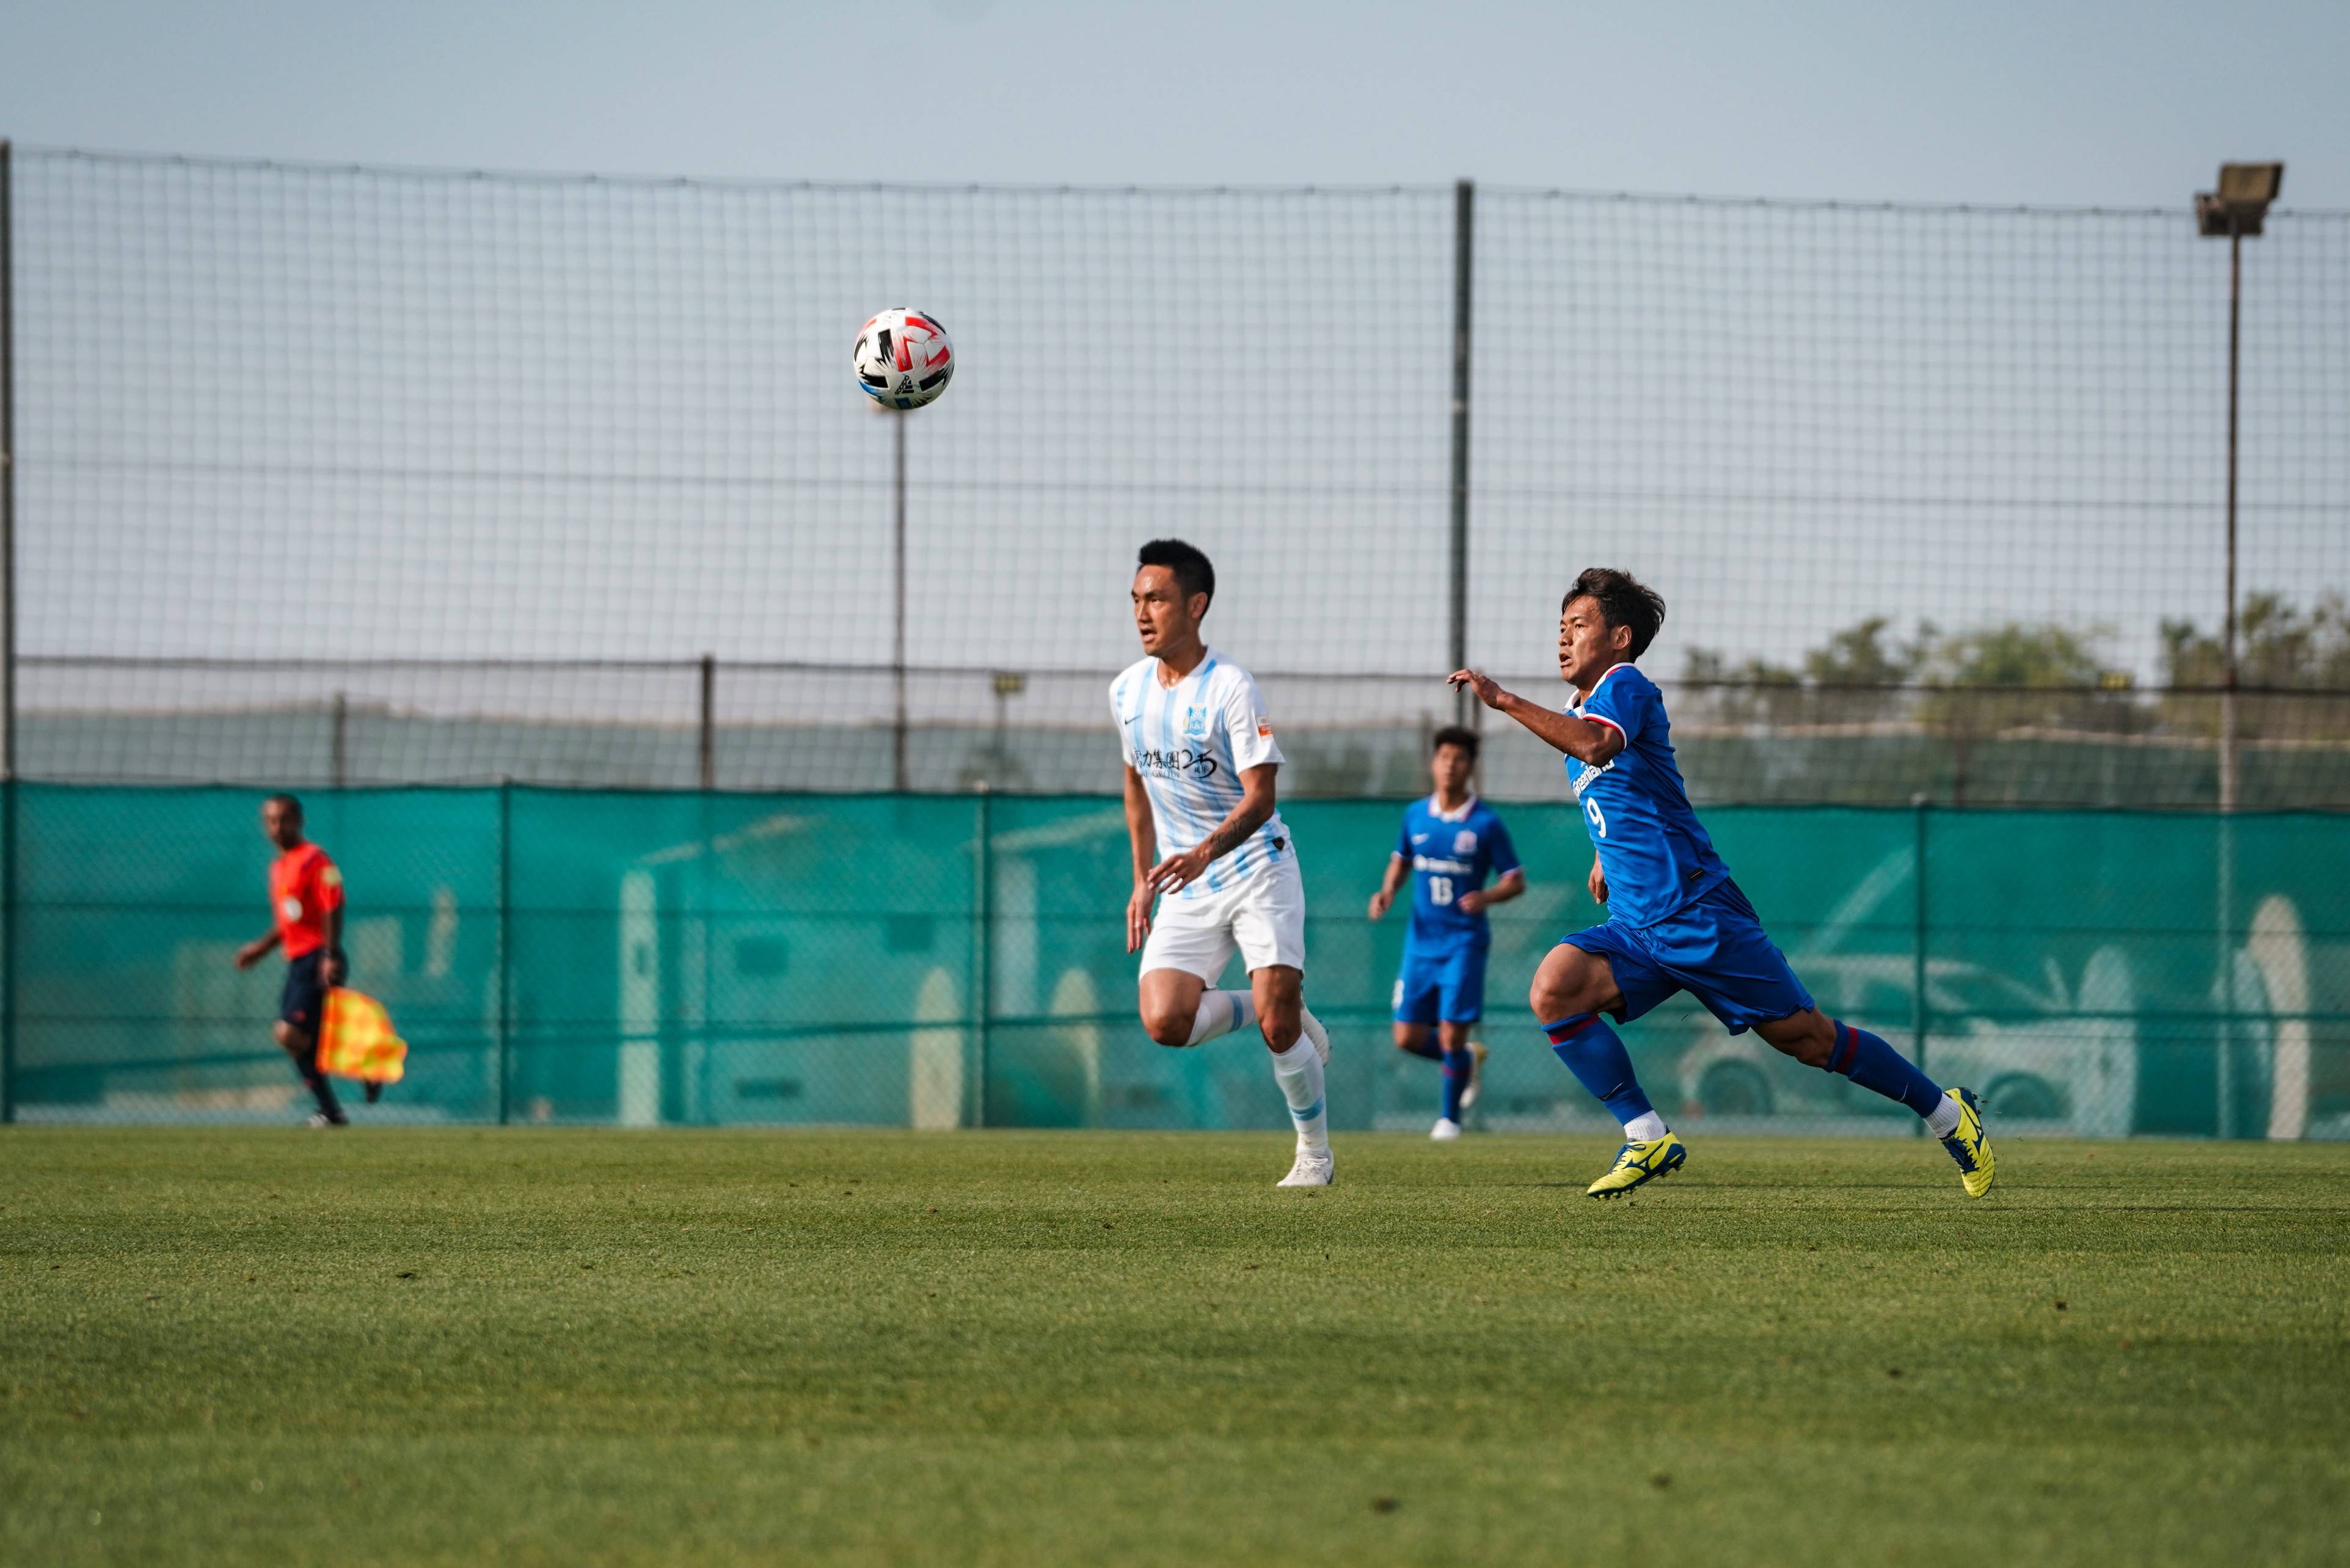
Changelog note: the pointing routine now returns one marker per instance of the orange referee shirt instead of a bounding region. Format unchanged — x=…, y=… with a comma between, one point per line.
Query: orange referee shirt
x=304, y=889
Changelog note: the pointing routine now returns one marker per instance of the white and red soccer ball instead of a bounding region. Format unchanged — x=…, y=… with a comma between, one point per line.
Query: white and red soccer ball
x=903, y=358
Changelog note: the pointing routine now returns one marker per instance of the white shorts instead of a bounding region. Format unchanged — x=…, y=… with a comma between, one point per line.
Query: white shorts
x=1261, y=918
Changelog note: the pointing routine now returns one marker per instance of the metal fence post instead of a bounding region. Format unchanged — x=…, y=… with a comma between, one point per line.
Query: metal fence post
x=1464, y=227
x=1919, y=1006
x=983, y=984
x=506, y=951
x=10, y=910
x=708, y=752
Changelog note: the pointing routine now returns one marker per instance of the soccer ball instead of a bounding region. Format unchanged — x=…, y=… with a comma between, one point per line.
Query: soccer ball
x=903, y=358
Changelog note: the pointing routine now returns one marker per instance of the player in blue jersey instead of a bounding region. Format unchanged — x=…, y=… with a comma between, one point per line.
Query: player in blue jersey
x=1450, y=843
x=1676, y=920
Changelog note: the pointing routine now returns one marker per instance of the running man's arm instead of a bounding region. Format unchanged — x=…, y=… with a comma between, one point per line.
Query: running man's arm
x=1578, y=738
x=253, y=951
x=1142, y=833
x=1256, y=807
x=1511, y=880
x=1399, y=873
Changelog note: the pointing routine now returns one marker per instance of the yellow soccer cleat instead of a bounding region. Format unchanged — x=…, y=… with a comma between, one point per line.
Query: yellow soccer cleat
x=1970, y=1145
x=1639, y=1161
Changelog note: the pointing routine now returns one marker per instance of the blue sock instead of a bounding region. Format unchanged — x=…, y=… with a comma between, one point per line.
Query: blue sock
x=1457, y=1066
x=1600, y=1063
x=1881, y=1069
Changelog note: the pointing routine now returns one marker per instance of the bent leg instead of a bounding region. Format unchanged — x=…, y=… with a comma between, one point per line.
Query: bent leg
x=1296, y=1065
x=1280, y=993
x=303, y=1047
x=1571, y=980
x=1412, y=1039
x=1833, y=1045
x=1460, y=1066
x=1170, y=1000
x=1570, y=989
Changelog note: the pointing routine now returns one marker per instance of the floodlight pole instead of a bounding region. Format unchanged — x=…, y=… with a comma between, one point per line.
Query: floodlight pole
x=2237, y=206
x=1464, y=230
x=898, y=643
x=2228, y=786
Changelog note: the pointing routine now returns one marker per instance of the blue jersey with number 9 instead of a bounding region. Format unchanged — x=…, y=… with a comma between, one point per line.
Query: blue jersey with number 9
x=1652, y=849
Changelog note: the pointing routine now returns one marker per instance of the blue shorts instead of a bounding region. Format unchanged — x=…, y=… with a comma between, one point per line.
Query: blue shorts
x=303, y=1003
x=1445, y=985
x=1715, y=949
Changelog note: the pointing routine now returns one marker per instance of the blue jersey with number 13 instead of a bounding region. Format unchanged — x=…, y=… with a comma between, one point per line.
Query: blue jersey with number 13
x=1652, y=849
x=1451, y=854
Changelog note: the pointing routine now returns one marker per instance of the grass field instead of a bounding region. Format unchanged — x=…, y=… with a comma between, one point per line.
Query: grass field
x=713, y=1348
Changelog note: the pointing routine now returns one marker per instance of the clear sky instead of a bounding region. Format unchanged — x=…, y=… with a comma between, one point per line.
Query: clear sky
x=2111, y=102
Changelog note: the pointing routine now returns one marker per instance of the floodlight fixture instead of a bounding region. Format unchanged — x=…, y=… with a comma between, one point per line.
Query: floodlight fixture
x=2241, y=202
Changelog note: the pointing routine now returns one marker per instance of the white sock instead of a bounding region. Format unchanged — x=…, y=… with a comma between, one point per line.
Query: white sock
x=1645, y=1129
x=1945, y=1119
x=1298, y=1070
x=1221, y=1013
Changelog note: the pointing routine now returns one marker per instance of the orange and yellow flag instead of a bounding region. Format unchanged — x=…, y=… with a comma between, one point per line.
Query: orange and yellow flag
x=356, y=1040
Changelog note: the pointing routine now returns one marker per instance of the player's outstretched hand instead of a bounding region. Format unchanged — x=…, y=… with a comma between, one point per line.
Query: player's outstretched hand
x=1177, y=871
x=1488, y=690
x=1380, y=901
x=1137, y=916
x=250, y=954
x=1472, y=902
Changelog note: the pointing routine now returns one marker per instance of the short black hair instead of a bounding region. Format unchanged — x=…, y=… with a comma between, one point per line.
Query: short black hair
x=1454, y=735
x=1623, y=600
x=1193, y=572
x=290, y=803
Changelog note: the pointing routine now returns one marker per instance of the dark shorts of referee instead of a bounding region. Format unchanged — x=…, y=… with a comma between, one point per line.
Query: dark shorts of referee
x=303, y=1005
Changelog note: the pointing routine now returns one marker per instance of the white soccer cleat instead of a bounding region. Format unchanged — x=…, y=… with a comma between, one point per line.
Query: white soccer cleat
x=1477, y=1055
x=1445, y=1130
x=1315, y=1168
x=1311, y=1027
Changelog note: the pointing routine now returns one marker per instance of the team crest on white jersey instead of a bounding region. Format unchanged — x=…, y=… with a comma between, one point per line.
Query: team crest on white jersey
x=1195, y=724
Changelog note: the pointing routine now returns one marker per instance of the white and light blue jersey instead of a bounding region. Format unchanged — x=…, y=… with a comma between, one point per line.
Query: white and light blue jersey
x=1189, y=742
x=1655, y=853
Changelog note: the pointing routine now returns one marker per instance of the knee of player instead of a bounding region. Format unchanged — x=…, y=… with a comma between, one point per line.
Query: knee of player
x=1168, y=1028
x=1550, y=999
x=1280, y=1031
x=1809, y=1037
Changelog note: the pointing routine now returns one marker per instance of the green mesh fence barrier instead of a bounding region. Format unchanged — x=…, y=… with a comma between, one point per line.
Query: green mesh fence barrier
x=635, y=959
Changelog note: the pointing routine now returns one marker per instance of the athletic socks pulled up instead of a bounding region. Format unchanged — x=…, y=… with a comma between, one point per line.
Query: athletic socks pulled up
x=1457, y=1066
x=1298, y=1070
x=1878, y=1067
x=1221, y=1013
x=1596, y=1055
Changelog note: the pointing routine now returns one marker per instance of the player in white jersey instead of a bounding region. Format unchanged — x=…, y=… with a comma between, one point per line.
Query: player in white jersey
x=1209, y=850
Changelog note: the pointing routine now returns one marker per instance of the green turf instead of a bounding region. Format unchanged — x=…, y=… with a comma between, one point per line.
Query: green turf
x=710, y=1348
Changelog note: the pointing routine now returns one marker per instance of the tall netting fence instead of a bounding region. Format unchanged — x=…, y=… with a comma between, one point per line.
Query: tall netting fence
x=640, y=958
x=363, y=476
